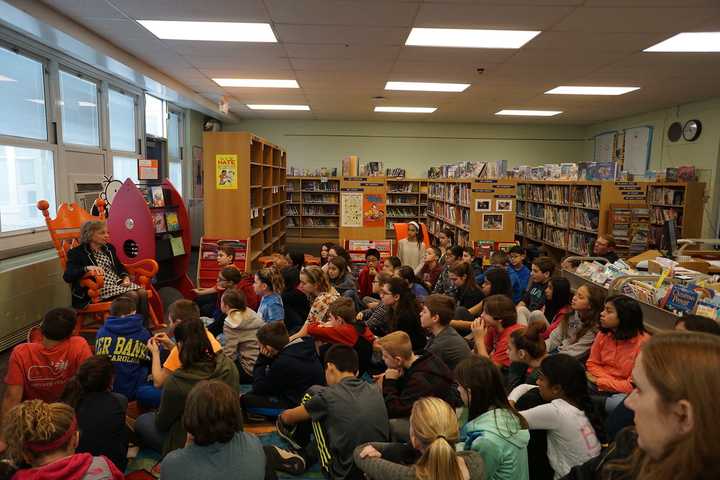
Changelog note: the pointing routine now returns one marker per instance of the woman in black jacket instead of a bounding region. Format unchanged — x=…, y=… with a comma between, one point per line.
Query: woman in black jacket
x=96, y=255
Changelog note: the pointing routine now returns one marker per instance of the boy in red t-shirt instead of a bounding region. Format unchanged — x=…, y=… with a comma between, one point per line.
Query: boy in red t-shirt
x=40, y=370
x=342, y=326
x=367, y=274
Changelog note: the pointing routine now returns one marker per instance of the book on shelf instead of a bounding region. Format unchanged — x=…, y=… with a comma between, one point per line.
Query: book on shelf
x=585, y=219
x=671, y=174
x=159, y=222
x=557, y=194
x=320, y=186
x=173, y=224
x=586, y=196
x=306, y=172
x=401, y=187
x=371, y=169
x=395, y=172
x=351, y=166
x=320, y=198
x=686, y=173
x=178, y=248
x=556, y=216
x=158, y=198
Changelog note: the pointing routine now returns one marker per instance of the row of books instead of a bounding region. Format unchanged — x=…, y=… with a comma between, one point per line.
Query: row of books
x=587, y=219
x=318, y=186
x=318, y=198
x=401, y=212
x=497, y=169
x=404, y=199
x=165, y=222
x=395, y=172
x=660, y=214
x=580, y=243
x=567, y=171
x=307, y=172
x=292, y=211
x=449, y=192
x=586, y=196
x=557, y=216
x=155, y=195
x=401, y=187
x=533, y=230
x=667, y=196
x=536, y=211
x=320, y=210
x=557, y=194
x=319, y=222
x=555, y=236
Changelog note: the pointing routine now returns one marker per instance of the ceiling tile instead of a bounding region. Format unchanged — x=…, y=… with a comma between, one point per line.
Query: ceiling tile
x=341, y=51
x=461, y=56
x=334, y=65
x=259, y=65
x=208, y=10
x=85, y=8
x=335, y=34
x=634, y=20
x=343, y=12
x=234, y=50
x=489, y=16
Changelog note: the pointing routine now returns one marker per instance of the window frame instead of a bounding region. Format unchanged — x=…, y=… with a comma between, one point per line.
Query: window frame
x=59, y=68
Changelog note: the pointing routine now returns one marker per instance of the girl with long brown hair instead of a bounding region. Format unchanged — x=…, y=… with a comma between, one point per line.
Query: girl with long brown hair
x=433, y=432
x=314, y=282
x=576, y=333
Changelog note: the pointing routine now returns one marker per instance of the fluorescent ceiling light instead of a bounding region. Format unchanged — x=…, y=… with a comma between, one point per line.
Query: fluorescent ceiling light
x=279, y=107
x=406, y=109
x=3, y=78
x=86, y=104
x=427, y=86
x=469, y=38
x=210, y=31
x=689, y=42
x=571, y=90
x=530, y=113
x=255, y=83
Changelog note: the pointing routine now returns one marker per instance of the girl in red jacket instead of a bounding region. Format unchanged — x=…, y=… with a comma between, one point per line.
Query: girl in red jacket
x=613, y=353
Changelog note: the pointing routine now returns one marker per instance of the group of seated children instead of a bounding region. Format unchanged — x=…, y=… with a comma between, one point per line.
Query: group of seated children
x=364, y=376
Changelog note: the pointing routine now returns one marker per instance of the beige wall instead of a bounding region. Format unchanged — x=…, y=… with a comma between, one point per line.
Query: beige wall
x=417, y=146
x=703, y=153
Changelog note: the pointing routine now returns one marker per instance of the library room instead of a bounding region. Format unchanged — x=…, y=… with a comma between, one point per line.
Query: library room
x=359, y=239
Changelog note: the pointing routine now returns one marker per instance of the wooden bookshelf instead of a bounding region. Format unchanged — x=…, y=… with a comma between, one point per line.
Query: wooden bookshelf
x=313, y=207
x=683, y=201
x=630, y=226
x=566, y=216
x=472, y=209
x=407, y=201
x=260, y=178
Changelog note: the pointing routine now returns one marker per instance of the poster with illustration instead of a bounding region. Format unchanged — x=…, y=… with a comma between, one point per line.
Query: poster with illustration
x=504, y=205
x=226, y=172
x=374, y=210
x=351, y=209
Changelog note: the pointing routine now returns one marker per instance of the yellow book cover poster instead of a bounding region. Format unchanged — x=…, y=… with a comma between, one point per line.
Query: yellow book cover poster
x=226, y=169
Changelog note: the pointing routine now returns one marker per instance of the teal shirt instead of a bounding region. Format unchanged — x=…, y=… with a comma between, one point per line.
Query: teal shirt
x=497, y=436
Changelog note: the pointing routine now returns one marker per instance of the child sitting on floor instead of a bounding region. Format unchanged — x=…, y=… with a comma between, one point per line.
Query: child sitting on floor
x=240, y=332
x=283, y=371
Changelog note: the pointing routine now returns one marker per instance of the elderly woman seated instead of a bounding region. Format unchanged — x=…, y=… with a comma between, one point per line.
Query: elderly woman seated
x=96, y=255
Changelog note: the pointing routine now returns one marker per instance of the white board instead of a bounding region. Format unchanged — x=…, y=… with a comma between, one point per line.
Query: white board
x=604, y=147
x=637, y=149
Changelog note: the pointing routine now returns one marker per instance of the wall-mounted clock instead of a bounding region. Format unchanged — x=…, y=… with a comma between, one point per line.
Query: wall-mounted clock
x=675, y=131
x=692, y=130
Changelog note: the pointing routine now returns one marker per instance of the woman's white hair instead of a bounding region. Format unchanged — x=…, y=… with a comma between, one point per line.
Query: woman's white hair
x=88, y=229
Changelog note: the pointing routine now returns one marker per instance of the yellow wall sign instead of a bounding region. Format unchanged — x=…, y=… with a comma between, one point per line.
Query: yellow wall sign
x=226, y=170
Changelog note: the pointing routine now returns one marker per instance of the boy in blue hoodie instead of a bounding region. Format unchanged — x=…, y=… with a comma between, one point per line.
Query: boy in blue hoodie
x=124, y=339
x=519, y=273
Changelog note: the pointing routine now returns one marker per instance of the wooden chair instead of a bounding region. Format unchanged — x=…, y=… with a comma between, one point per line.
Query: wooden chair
x=64, y=231
x=401, y=230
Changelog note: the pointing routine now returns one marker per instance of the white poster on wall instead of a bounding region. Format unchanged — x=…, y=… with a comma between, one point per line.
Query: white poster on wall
x=604, y=147
x=637, y=149
x=351, y=209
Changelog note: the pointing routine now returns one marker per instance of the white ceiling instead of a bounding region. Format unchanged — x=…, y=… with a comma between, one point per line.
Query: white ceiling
x=343, y=51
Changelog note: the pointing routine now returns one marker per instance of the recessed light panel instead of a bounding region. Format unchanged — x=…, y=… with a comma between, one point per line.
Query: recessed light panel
x=255, y=83
x=469, y=38
x=530, y=113
x=406, y=109
x=572, y=90
x=210, y=31
x=279, y=107
x=427, y=86
x=689, y=42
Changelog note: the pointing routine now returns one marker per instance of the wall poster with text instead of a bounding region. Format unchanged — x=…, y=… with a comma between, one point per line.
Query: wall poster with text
x=351, y=208
x=374, y=210
x=226, y=169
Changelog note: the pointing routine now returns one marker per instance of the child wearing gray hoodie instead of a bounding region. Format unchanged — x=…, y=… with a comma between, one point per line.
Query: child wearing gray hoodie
x=240, y=332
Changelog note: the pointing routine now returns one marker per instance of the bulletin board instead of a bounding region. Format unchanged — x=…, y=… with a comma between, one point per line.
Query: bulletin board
x=492, y=210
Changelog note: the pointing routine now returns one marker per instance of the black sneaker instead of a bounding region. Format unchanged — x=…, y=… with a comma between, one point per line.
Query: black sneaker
x=287, y=433
x=284, y=460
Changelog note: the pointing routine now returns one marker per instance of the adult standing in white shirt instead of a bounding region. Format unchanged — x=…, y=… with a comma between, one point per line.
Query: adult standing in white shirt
x=571, y=438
